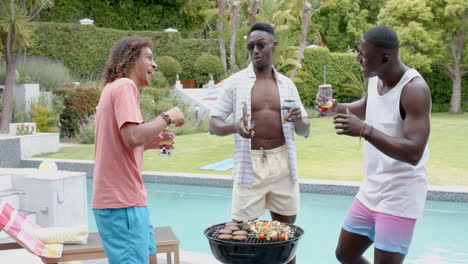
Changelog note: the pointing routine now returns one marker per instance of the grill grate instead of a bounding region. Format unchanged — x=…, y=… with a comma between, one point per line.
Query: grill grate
x=294, y=234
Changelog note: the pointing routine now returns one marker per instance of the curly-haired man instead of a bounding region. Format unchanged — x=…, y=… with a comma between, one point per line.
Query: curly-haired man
x=121, y=136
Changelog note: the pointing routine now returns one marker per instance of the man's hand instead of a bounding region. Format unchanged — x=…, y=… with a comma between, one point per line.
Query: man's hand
x=348, y=124
x=240, y=127
x=321, y=101
x=295, y=114
x=167, y=136
x=177, y=116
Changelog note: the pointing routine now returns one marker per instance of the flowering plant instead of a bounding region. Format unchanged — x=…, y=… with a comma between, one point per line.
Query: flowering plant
x=24, y=129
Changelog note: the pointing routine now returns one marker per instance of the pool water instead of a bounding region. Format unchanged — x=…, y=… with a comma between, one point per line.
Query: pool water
x=441, y=236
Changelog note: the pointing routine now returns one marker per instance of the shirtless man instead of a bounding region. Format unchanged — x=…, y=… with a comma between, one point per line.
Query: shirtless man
x=265, y=169
x=396, y=111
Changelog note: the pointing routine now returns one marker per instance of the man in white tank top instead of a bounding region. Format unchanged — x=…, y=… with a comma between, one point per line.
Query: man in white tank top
x=396, y=111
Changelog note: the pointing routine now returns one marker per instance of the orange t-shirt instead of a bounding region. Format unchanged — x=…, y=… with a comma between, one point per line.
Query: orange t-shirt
x=117, y=169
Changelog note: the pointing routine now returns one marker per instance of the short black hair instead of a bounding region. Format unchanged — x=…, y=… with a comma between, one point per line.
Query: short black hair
x=262, y=27
x=383, y=37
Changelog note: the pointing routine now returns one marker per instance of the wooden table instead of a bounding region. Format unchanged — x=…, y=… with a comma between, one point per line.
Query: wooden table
x=166, y=242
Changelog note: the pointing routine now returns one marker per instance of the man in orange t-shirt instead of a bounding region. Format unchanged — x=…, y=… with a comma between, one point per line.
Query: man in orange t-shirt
x=121, y=137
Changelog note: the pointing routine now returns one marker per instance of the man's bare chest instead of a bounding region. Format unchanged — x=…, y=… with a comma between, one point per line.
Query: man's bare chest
x=265, y=95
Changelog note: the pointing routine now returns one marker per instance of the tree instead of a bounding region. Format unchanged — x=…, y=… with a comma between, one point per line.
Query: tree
x=14, y=18
x=220, y=28
x=307, y=11
x=340, y=25
x=234, y=6
x=253, y=10
x=432, y=32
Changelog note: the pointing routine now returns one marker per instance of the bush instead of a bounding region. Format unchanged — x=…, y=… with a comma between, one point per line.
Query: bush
x=45, y=118
x=87, y=131
x=206, y=65
x=50, y=74
x=338, y=64
x=185, y=15
x=85, y=54
x=170, y=67
x=158, y=80
x=79, y=103
x=147, y=106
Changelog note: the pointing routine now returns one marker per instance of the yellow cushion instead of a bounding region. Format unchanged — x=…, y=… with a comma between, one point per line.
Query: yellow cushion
x=63, y=235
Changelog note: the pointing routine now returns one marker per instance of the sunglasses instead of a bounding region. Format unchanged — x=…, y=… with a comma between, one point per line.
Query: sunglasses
x=251, y=46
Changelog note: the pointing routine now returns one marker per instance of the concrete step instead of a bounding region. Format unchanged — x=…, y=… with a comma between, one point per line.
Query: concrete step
x=12, y=197
x=6, y=181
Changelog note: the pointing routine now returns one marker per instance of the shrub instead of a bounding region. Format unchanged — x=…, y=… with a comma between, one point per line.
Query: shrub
x=156, y=92
x=50, y=74
x=147, y=106
x=158, y=80
x=208, y=64
x=315, y=59
x=45, y=118
x=170, y=67
x=79, y=103
x=87, y=131
x=85, y=54
x=185, y=15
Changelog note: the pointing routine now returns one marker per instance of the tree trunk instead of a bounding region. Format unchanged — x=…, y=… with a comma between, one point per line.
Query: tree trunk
x=306, y=11
x=319, y=39
x=457, y=47
x=232, y=43
x=7, y=101
x=253, y=12
x=220, y=28
x=455, y=101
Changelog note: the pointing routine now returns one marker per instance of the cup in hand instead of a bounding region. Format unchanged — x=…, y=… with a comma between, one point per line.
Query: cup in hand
x=286, y=106
x=325, y=99
x=166, y=147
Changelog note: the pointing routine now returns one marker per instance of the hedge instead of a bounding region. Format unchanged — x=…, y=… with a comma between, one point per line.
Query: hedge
x=80, y=104
x=185, y=15
x=84, y=48
x=337, y=65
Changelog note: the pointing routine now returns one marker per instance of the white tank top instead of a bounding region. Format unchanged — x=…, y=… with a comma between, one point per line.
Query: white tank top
x=391, y=186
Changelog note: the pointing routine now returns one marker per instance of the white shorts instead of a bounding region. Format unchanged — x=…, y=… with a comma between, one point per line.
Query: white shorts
x=273, y=188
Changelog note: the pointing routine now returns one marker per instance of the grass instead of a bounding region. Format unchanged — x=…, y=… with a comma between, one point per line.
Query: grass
x=324, y=155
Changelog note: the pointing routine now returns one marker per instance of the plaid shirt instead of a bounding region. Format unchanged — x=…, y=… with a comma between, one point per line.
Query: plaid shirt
x=237, y=89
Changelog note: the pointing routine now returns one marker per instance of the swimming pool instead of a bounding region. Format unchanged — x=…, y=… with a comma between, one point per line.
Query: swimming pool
x=441, y=236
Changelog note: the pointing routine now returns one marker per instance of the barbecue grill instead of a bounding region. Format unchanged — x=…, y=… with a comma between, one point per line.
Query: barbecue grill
x=253, y=250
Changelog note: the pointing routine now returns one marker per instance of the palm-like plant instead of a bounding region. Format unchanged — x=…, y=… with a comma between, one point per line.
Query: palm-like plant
x=357, y=87
x=15, y=36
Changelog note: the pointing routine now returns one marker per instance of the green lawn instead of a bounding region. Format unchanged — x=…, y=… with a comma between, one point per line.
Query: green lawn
x=324, y=155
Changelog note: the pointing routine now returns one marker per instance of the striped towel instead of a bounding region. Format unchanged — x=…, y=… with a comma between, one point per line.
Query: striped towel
x=21, y=229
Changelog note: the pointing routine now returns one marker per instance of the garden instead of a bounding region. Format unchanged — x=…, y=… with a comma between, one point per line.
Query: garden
x=65, y=59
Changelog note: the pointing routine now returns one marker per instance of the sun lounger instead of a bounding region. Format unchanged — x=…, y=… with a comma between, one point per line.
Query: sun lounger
x=166, y=242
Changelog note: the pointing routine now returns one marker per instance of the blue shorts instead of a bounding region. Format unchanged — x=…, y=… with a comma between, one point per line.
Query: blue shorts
x=126, y=234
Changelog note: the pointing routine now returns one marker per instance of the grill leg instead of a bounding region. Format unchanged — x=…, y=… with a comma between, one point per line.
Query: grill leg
x=176, y=256
x=169, y=257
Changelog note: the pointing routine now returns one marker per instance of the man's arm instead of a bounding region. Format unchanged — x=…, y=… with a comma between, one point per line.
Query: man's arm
x=222, y=128
x=302, y=127
x=358, y=107
x=136, y=135
x=415, y=99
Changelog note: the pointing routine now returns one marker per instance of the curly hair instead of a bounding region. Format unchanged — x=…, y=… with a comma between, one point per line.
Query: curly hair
x=123, y=56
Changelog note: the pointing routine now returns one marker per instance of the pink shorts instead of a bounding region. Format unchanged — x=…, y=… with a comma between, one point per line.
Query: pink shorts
x=389, y=233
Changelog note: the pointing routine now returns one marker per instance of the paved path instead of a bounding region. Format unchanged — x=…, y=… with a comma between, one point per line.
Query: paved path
x=21, y=256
